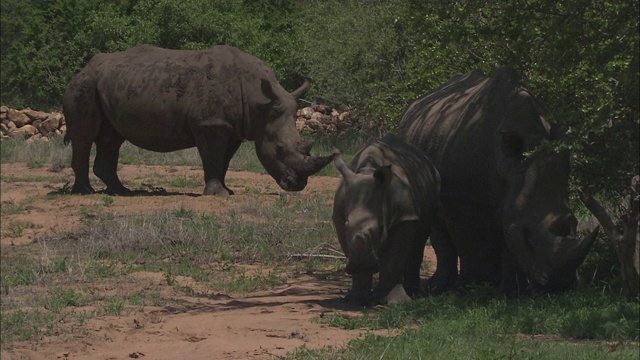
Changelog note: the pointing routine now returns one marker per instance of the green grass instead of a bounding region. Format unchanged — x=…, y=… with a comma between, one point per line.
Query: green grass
x=253, y=247
x=17, y=227
x=55, y=155
x=486, y=325
x=10, y=207
x=29, y=178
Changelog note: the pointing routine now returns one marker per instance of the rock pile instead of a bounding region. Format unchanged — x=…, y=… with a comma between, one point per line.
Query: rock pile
x=30, y=124
x=322, y=120
x=35, y=125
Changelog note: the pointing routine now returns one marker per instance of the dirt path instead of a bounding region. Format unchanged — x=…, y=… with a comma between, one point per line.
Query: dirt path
x=206, y=325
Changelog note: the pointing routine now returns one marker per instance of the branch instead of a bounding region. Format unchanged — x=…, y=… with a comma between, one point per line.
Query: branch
x=600, y=213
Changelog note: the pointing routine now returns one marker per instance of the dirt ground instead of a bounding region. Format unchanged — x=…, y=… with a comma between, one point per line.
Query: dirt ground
x=261, y=325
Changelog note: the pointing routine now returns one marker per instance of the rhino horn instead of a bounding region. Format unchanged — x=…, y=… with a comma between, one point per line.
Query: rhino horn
x=311, y=164
x=572, y=250
x=301, y=90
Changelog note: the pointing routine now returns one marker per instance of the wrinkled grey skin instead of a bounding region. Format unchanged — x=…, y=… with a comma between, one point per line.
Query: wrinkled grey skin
x=505, y=215
x=383, y=211
x=166, y=100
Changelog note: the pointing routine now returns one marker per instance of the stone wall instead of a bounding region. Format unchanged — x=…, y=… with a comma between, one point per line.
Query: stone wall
x=30, y=124
x=323, y=120
x=35, y=125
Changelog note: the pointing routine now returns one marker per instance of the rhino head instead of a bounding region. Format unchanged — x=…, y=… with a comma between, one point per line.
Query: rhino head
x=539, y=227
x=364, y=201
x=279, y=147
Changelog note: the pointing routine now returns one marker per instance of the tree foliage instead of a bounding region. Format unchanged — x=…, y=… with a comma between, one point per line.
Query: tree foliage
x=579, y=57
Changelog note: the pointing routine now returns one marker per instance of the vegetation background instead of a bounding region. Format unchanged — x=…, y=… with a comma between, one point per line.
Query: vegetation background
x=579, y=57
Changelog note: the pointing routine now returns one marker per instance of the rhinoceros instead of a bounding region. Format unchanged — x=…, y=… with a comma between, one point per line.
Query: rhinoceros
x=165, y=100
x=382, y=212
x=504, y=209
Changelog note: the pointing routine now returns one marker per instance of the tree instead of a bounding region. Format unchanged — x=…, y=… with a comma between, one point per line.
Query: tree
x=627, y=242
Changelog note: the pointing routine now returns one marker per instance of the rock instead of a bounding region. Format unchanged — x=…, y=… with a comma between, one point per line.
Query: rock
x=322, y=108
x=300, y=123
x=60, y=117
x=314, y=124
x=36, y=124
x=18, y=118
x=11, y=126
x=311, y=119
x=23, y=132
x=30, y=130
x=49, y=125
x=322, y=118
x=35, y=115
x=306, y=112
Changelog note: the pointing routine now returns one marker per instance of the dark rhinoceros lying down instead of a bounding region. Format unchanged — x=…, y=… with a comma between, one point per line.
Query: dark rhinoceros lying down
x=382, y=212
x=504, y=199
x=166, y=100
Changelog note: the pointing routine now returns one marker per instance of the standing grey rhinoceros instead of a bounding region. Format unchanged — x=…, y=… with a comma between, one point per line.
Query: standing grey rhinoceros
x=383, y=210
x=504, y=200
x=166, y=100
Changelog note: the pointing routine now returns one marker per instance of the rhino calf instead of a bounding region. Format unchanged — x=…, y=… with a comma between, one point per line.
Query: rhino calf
x=383, y=210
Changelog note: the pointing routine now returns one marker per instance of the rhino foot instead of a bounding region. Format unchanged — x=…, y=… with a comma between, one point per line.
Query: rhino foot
x=358, y=299
x=214, y=187
x=82, y=189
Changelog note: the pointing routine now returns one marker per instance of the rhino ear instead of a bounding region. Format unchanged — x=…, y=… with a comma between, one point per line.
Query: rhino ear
x=267, y=90
x=301, y=90
x=383, y=175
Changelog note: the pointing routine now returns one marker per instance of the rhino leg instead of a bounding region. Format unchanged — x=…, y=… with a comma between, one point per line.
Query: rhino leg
x=83, y=119
x=360, y=293
x=213, y=145
x=105, y=165
x=477, y=239
x=393, y=261
x=446, y=272
x=80, y=153
x=414, y=261
x=232, y=148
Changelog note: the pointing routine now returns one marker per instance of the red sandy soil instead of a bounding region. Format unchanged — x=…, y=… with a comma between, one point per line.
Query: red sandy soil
x=208, y=325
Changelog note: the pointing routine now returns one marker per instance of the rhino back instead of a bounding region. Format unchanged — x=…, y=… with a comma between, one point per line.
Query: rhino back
x=157, y=97
x=458, y=126
x=416, y=185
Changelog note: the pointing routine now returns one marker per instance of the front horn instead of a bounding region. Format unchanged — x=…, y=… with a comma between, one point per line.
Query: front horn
x=573, y=250
x=312, y=164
